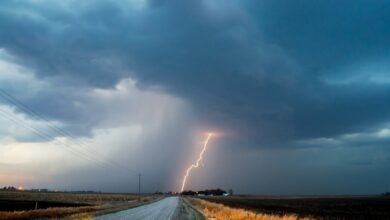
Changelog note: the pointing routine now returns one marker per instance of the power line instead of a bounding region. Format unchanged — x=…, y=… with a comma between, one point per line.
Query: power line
x=11, y=99
x=76, y=153
x=139, y=186
x=14, y=101
x=139, y=183
x=43, y=136
x=91, y=156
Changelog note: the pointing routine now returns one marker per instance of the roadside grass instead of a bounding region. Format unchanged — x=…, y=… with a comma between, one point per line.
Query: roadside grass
x=319, y=207
x=98, y=204
x=221, y=212
x=50, y=213
x=115, y=208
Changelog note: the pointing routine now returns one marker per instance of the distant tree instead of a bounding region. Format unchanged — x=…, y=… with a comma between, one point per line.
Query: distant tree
x=230, y=191
x=202, y=192
x=218, y=192
x=10, y=188
x=189, y=193
x=214, y=192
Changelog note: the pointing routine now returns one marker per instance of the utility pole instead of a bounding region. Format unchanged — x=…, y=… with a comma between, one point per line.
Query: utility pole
x=139, y=186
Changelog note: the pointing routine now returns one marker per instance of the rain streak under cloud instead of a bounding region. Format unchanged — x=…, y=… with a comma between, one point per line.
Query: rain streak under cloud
x=299, y=90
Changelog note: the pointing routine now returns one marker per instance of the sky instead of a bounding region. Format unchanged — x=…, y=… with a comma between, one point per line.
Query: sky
x=297, y=93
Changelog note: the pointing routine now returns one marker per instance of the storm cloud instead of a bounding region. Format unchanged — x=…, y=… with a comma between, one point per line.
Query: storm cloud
x=273, y=77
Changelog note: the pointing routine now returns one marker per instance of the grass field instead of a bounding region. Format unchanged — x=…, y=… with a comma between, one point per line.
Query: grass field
x=88, y=198
x=374, y=207
x=55, y=205
x=221, y=212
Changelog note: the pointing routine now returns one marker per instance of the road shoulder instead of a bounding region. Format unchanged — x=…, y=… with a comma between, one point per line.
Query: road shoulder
x=185, y=210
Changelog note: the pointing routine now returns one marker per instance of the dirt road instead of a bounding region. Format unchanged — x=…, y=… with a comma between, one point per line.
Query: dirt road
x=168, y=208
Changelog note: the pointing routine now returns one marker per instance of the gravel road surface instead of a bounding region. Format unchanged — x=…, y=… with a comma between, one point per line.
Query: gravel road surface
x=163, y=209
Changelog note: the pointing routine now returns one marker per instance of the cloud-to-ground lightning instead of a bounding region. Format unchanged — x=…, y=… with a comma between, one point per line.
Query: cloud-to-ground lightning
x=209, y=135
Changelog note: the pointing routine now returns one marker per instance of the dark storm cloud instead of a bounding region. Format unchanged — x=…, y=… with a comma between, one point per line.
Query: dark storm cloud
x=254, y=69
x=327, y=33
x=324, y=37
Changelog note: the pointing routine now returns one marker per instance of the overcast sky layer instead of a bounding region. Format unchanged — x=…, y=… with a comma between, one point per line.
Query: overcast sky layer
x=298, y=93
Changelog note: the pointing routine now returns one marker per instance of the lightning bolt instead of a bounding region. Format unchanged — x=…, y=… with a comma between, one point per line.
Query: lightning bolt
x=209, y=135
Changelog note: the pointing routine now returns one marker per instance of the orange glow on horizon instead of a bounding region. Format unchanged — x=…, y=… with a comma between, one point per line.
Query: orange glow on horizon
x=209, y=135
